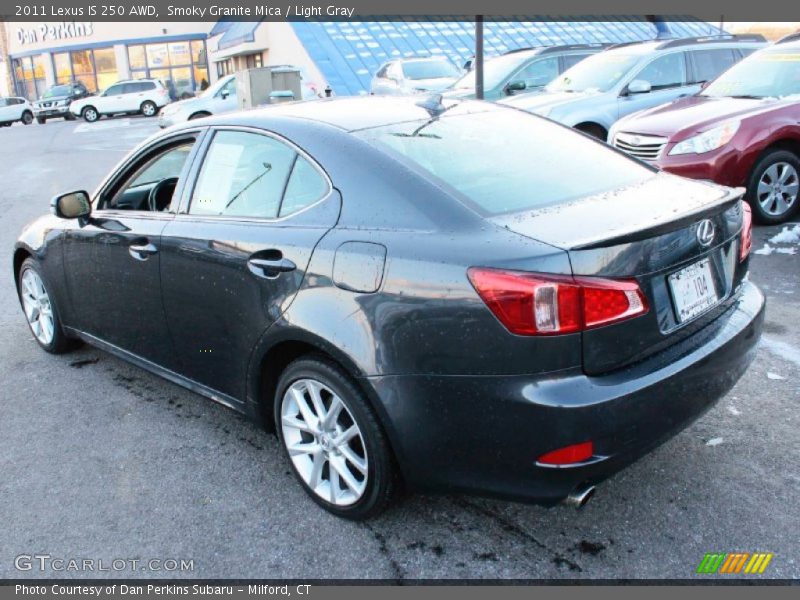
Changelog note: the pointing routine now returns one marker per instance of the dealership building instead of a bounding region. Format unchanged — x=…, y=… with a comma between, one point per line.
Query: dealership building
x=342, y=55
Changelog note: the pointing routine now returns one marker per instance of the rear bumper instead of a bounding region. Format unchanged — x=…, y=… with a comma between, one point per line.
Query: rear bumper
x=483, y=434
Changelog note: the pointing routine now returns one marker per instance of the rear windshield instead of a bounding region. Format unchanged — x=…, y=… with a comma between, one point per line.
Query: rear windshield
x=429, y=69
x=503, y=161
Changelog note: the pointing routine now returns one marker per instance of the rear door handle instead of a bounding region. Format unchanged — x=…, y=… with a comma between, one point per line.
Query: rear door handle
x=142, y=251
x=270, y=269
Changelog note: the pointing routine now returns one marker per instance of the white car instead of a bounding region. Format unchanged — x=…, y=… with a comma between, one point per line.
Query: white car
x=217, y=99
x=15, y=109
x=414, y=76
x=145, y=96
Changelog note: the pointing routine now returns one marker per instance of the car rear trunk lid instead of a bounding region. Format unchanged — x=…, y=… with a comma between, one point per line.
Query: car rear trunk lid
x=650, y=232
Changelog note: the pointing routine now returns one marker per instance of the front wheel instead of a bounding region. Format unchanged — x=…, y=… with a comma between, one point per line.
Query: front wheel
x=90, y=114
x=335, y=444
x=149, y=109
x=40, y=310
x=27, y=117
x=772, y=189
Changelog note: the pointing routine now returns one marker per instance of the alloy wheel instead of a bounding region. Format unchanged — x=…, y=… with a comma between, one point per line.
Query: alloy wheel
x=36, y=303
x=324, y=442
x=90, y=115
x=777, y=189
x=148, y=109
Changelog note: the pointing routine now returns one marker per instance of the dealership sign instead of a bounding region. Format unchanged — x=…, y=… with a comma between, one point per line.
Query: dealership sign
x=54, y=31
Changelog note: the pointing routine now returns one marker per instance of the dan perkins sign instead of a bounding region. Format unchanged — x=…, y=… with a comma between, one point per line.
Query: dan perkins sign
x=51, y=32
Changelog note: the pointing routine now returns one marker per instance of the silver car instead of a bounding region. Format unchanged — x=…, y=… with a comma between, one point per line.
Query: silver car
x=414, y=75
x=595, y=93
x=217, y=99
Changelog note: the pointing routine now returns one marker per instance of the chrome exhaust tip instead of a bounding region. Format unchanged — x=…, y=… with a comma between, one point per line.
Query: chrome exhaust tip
x=580, y=496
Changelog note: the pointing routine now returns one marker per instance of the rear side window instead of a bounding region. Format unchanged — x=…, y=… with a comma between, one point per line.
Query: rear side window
x=665, y=72
x=251, y=175
x=710, y=63
x=570, y=60
x=501, y=161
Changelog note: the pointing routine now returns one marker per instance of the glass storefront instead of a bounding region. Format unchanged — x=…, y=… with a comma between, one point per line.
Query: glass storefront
x=96, y=69
x=182, y=66
x=29, y=76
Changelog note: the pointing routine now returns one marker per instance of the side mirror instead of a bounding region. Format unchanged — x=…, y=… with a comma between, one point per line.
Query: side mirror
x=73, y=205
x=639, y=86
x=516, y=86
x=224, y=94
x=704, y=85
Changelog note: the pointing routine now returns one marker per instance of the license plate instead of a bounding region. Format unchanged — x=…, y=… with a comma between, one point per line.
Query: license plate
x=693, y=290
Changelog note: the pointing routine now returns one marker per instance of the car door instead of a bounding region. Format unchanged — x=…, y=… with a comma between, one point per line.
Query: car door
x=112, y=260
x=6, y=111
x=668, y=77
x=706, y=64
x=236, y=254
x=225, y=100
x=109, y=101
x=133, y=95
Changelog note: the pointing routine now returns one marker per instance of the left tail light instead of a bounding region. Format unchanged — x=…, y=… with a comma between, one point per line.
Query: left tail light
x=539, y=304
x=747, y=231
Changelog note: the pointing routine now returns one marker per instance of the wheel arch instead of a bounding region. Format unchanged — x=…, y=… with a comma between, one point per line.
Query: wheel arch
x=20, y=254
x=199, y=114
x=280, y=348
x=588, y=126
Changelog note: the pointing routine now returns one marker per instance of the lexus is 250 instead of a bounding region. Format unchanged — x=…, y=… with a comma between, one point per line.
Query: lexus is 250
x=453, y=296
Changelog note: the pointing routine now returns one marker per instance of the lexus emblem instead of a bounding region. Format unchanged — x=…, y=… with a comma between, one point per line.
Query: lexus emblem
x=705, y=232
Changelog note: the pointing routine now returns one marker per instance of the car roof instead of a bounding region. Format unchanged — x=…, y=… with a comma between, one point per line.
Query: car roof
x=349, y=113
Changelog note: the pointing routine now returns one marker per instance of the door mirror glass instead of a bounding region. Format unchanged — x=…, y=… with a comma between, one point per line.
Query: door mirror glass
x=516, y=86
x=639, y=86
x=73, y=205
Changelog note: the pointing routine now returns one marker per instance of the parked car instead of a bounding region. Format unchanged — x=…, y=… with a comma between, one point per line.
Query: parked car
x=221, y=97
x=56, y=101
x=595, y=93
x=523, y=70
x=15, y=109
x=413, y=75
x=136, y=96
x=373, y=278
x=741, y=130
x=218, y=99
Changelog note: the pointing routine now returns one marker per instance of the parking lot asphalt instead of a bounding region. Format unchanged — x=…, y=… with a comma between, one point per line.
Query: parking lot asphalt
x=101, y=460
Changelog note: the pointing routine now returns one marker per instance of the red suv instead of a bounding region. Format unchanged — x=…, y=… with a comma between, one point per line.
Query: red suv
x=743, y=129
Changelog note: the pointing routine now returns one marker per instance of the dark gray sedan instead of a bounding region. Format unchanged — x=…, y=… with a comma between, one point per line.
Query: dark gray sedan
x=458, y=297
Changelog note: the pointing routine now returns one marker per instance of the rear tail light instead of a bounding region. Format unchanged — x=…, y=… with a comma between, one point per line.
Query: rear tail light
x=568, y=455
x=536, y=304
x=747, y=231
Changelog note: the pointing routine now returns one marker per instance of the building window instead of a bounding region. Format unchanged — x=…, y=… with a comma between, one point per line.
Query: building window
x=254, y=61
x=96, y=69
x=182, y=66
x=29, y=76
x=224, y=67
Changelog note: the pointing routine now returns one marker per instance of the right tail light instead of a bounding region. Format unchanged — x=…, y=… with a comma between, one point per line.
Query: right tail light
x=542, y=304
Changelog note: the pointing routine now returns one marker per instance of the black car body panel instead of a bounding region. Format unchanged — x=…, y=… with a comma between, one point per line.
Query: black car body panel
x=379, y=283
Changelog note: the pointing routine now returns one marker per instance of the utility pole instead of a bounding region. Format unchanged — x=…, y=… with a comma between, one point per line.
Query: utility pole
x=479, y=57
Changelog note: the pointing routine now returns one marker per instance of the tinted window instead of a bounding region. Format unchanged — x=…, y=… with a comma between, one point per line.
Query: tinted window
x=534, y=163
x=710, y=63
x=538, y=73
x=244, y=175
x=114, y=90
x=665, y=72
x=381, y=72
x=130, y=88
x=306, y=186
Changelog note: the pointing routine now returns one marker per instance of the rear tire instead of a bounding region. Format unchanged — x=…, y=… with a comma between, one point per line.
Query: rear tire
x=27, y=117
x=40, y=309
x=354, y=478
x=149, y=109
x=90, y=114
x=772, y=189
